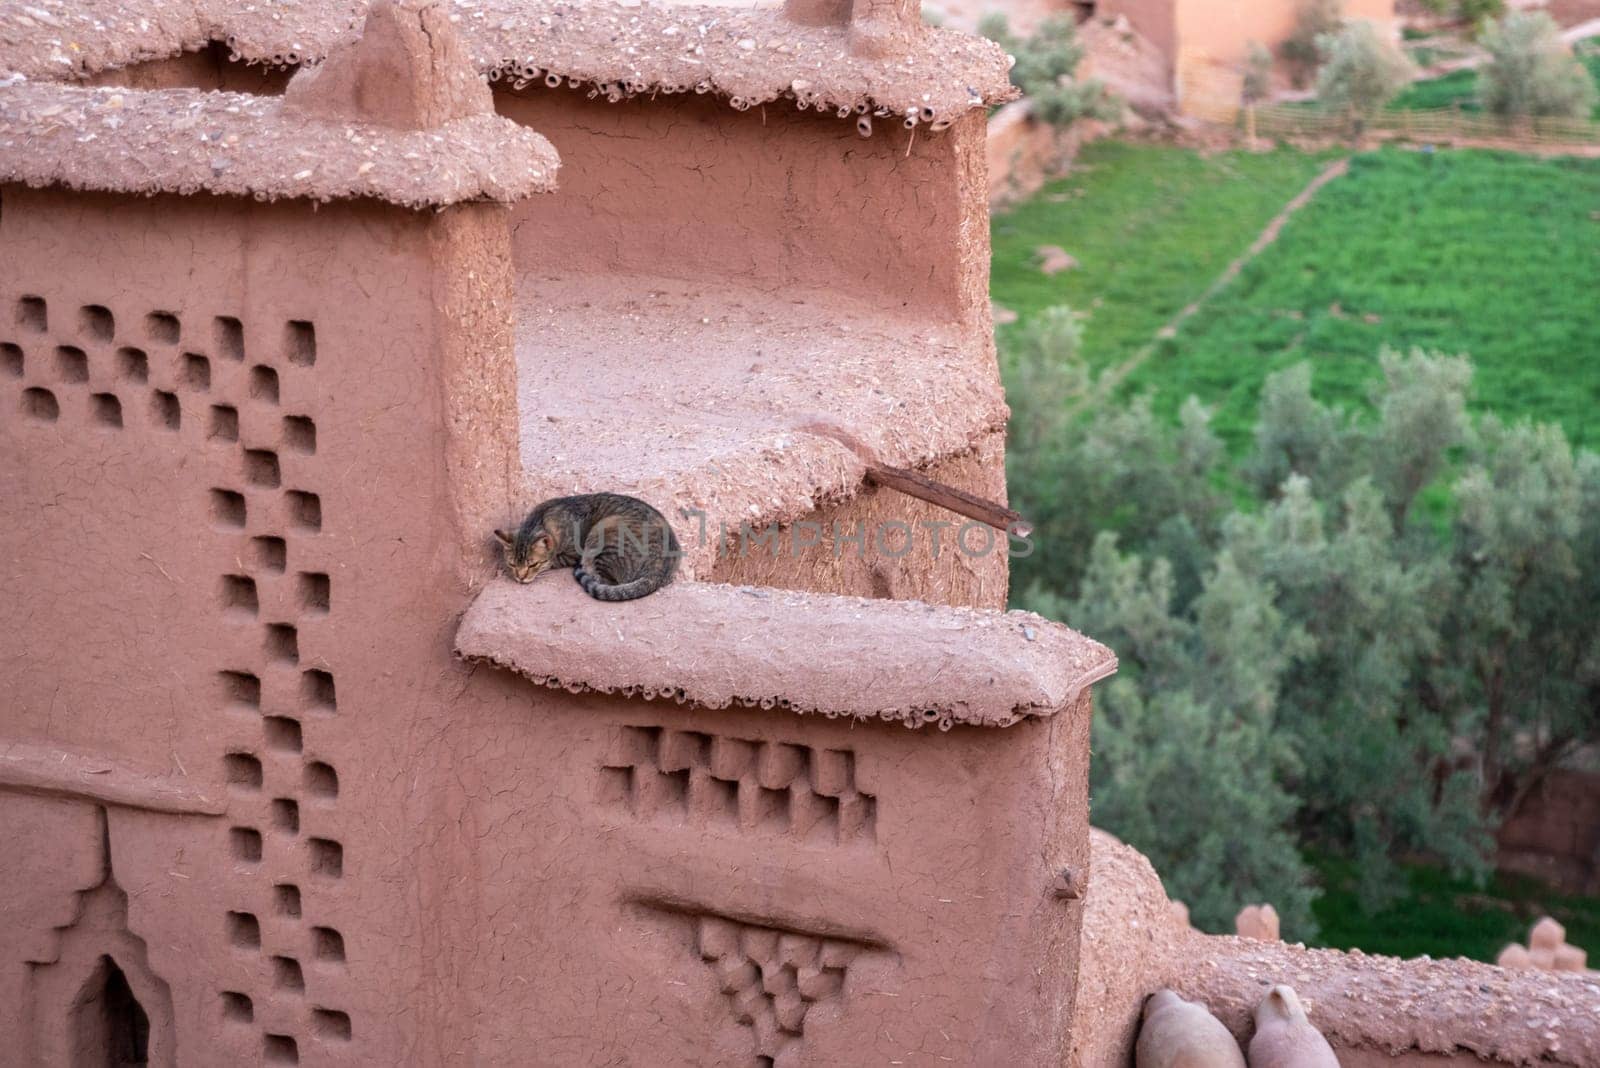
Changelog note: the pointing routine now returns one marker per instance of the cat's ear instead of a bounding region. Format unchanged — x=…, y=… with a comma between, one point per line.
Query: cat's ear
x=505, y=537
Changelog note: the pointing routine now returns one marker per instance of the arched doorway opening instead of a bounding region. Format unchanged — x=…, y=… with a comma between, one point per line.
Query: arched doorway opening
x=111, y=1028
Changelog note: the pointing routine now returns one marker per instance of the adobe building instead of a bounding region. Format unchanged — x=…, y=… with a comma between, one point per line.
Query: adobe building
x=297, y=304
x=1207, y=42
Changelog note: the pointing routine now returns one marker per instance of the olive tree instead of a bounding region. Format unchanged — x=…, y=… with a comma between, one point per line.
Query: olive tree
x=1531, y=70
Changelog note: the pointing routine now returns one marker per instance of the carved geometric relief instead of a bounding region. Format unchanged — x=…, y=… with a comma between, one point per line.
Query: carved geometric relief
x=93, y=999
x=749, y=785
x=772, y=977
x=149, y=375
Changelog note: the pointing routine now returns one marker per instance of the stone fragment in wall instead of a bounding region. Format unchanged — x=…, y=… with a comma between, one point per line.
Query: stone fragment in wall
x=1181, y=1034
x=1284, y=1037
x=1570, y=959
x=1547, y=934
x=1514, y=956
x=1259, y=922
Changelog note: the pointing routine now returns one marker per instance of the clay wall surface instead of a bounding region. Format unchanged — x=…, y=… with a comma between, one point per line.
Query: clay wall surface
x=252, y=451
x=795, y=205
x=1555, y=836
x=891, y=564
x=236, y=560
x=688, y=887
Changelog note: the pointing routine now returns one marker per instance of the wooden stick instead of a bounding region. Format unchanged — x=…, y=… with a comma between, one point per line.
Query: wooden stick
x=959, y=501
x=915, y=484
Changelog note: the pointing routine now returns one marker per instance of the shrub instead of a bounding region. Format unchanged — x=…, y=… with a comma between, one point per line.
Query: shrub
x=1471, y=12
x=1479, y=12
x=1531, y=71
x=1314, y=19
x=1361, y=71
x=1376, y=647
x=1046, y=62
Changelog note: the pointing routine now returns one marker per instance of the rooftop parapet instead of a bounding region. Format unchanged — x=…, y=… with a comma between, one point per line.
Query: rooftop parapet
x=748, y=56
x=1135, y=943
x=397, y=117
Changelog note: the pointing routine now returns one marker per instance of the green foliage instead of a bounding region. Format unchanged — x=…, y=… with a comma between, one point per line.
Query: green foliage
x=1187, y=729
x=1313, y=20
x=1442, y=915
x=1361, y=70
x=1165, y=221
x=1531, y=71
x=1257, y=74
x=1459, y=89
x=1306, y=664
x=1044, y=374
x=1354, y=613
x=1046, y=62
x=1471, y=12
x=1492, y=254
x=1479, y=12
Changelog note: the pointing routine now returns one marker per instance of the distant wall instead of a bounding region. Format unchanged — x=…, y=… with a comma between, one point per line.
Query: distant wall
x=1025, y=153
x=1208, y=31
x=1156, y=20
x=1207, y=42
x=1556, y=834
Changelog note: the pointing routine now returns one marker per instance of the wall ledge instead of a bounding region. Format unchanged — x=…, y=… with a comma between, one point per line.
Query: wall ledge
x=187, y=141
x=717, y=646
x=47, y=769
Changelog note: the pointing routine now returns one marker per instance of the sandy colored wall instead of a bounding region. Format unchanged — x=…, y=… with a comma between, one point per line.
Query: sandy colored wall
x=1024, y=154
x=1156, y=20
x=1207, y=42
x=787, y=203
x=891, y=564
x=1212, y=32
x=238, y=557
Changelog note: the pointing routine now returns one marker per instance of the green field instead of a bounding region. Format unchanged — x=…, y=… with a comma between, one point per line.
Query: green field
x=1446, y=917
x=1151, y=226
x=1489, y=254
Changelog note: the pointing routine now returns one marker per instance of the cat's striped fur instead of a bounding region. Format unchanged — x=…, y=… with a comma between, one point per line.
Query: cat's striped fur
x=618, y=547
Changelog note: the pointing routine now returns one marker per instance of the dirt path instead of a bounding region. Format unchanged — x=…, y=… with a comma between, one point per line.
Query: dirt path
x=1114, y=377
